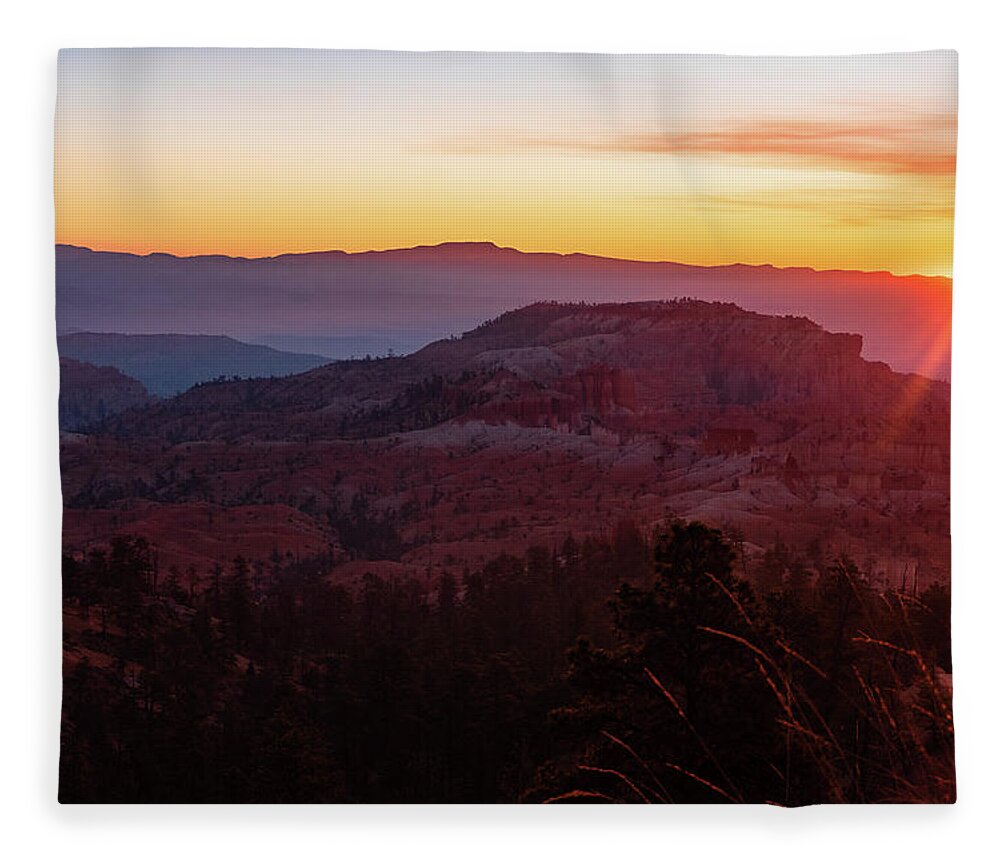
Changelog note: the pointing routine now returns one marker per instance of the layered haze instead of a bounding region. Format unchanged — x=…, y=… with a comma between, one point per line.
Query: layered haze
x=345, y=305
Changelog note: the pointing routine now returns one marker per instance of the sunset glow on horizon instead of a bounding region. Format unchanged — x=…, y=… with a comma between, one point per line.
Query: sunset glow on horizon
x=829, y=163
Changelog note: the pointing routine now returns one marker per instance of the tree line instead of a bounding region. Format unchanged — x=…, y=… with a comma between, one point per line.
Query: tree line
x=627, y=670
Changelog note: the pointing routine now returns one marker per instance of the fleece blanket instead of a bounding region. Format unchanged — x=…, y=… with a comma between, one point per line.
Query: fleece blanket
x=505, y=428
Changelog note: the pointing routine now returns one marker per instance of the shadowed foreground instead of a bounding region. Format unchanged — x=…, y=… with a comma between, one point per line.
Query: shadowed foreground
x=626, y=671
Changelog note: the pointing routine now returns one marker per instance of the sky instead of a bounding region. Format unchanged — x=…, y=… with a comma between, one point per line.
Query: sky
x=829, y=163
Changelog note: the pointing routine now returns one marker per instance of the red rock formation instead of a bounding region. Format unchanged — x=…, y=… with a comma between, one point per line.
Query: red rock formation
x=729, y=440
x=600, y=389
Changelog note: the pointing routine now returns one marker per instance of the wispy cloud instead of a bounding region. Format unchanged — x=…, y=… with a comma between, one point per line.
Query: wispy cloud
x=921, y=144
x=844, y=206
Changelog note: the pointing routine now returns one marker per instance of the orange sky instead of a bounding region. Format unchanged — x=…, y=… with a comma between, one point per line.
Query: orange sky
x=822, y=162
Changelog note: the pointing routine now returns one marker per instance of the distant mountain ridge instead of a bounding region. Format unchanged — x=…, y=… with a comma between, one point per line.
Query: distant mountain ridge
x=425, y=293
x=170, y=363
x=475, y=251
